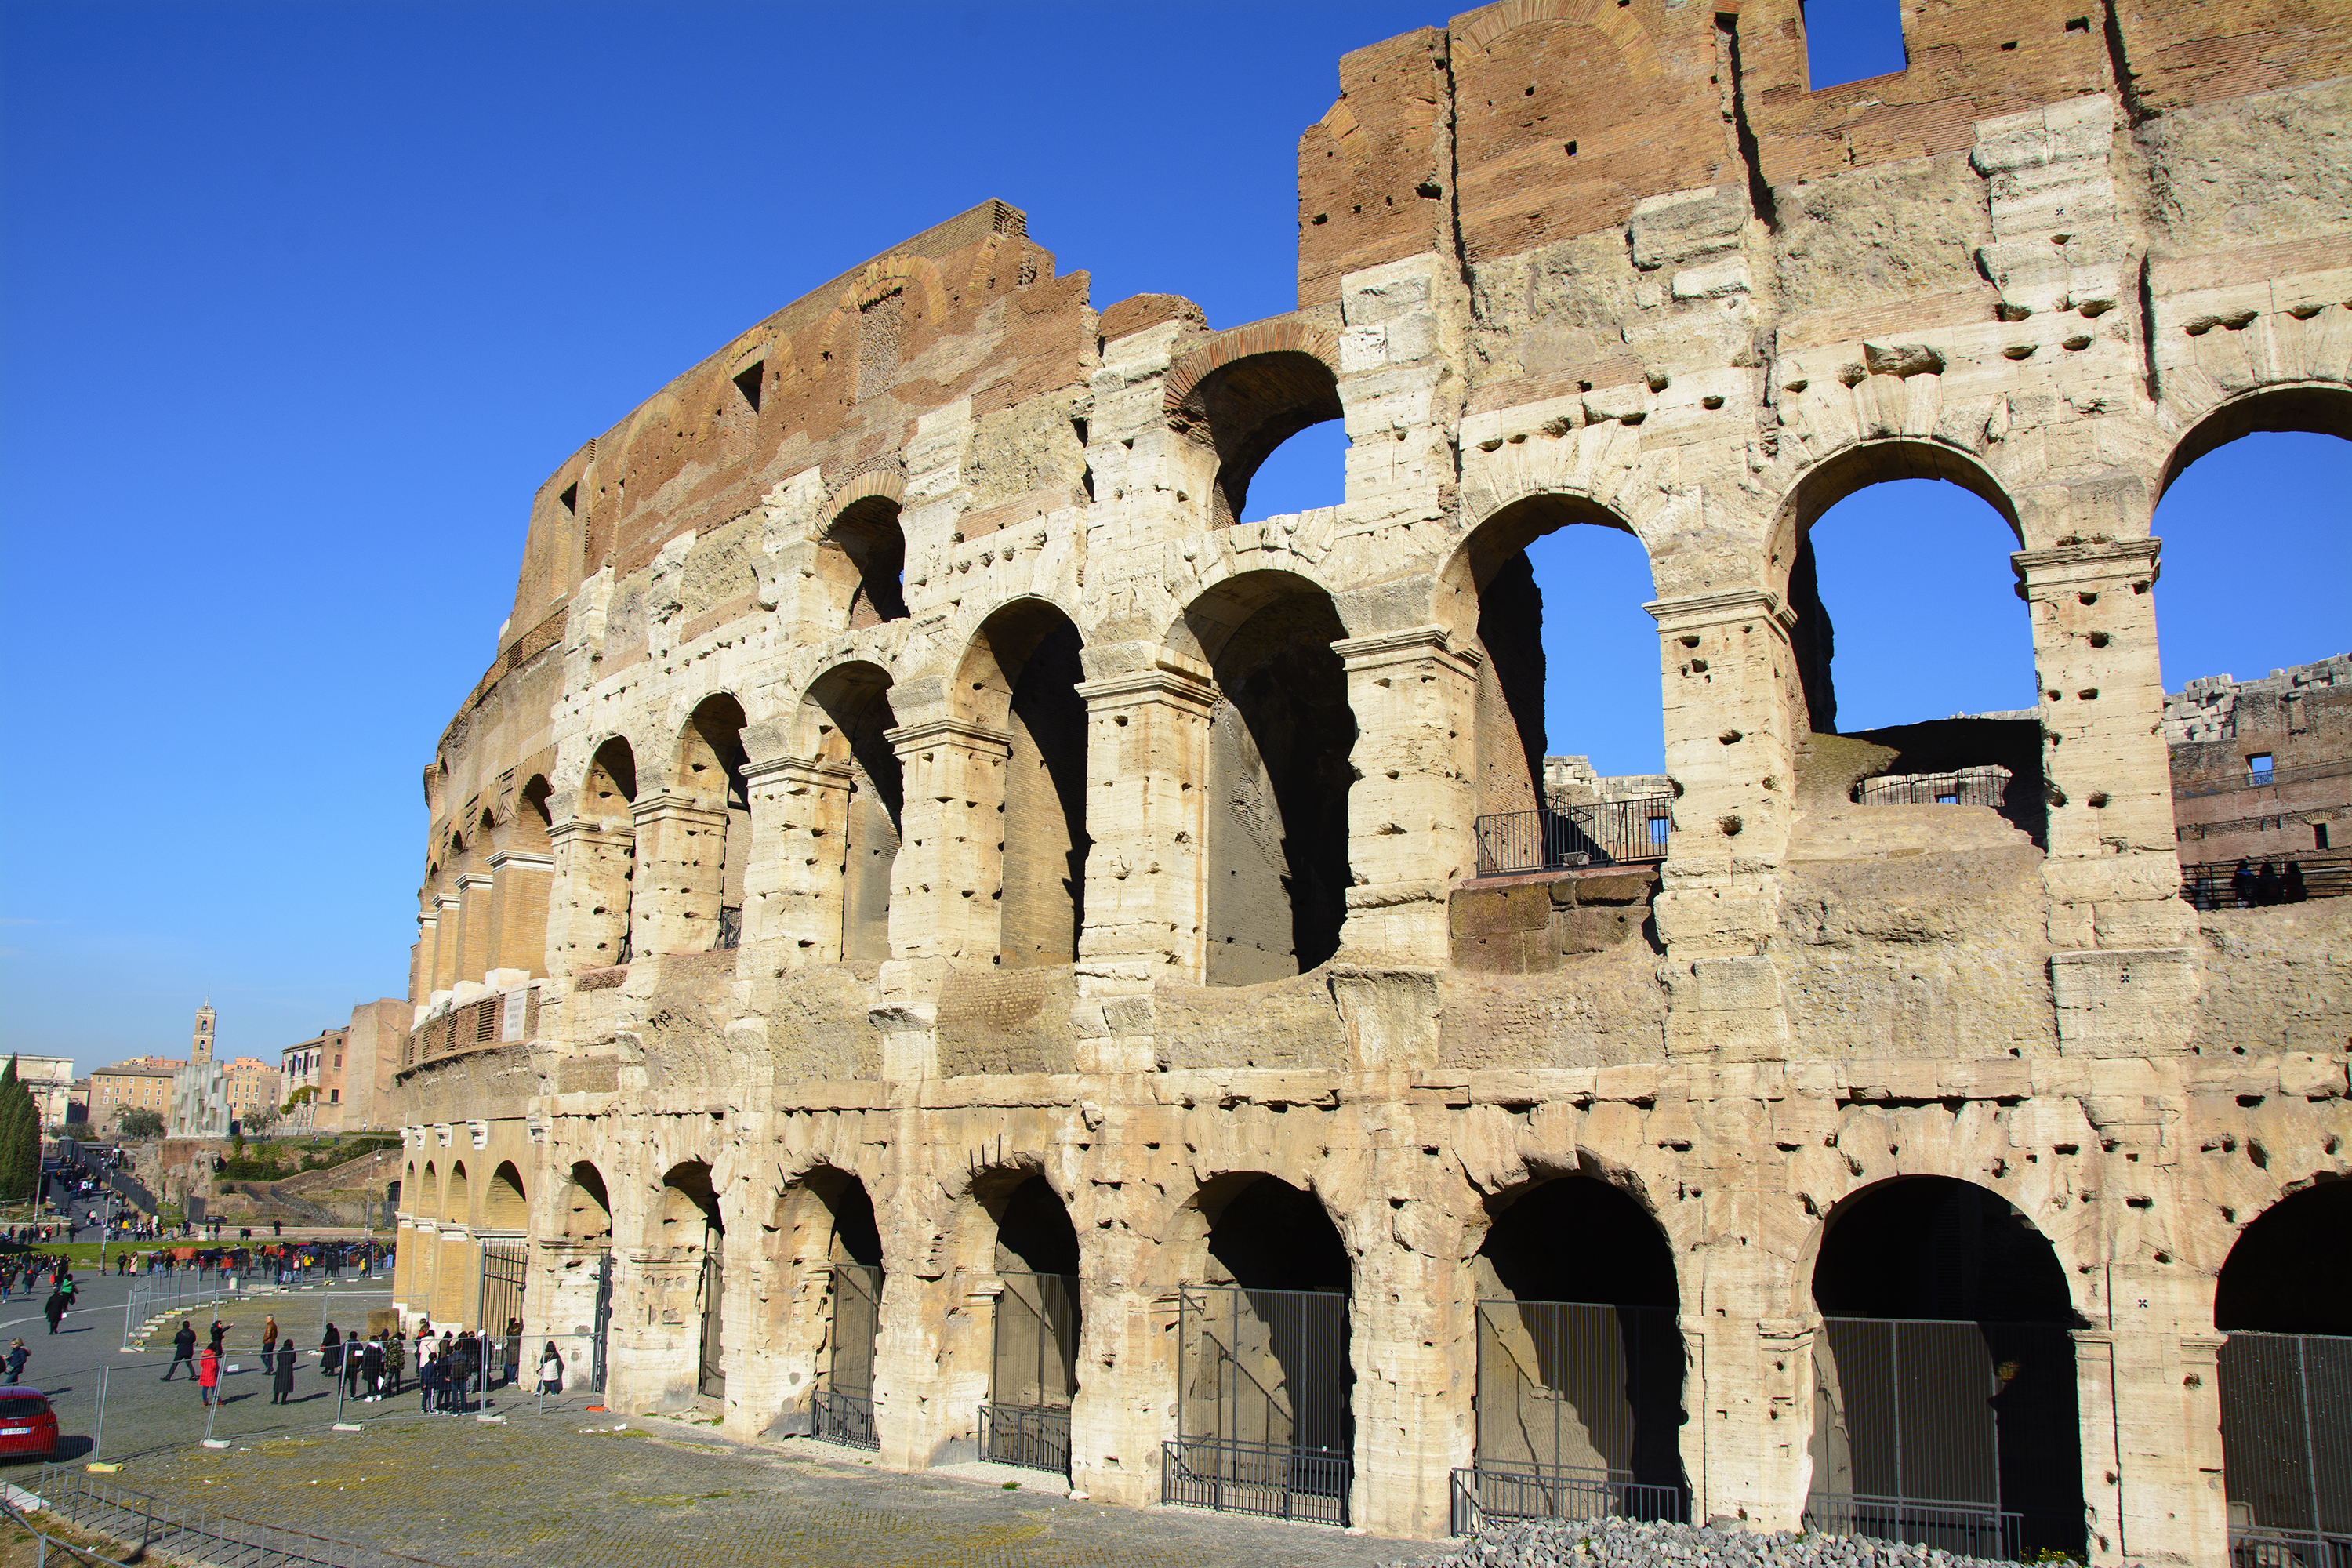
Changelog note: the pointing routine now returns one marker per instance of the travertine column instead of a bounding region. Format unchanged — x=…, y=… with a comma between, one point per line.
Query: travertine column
x=2151, y=1424
x=679, y=848
x=448, y=941
x=1146, y=764
x=477, y=949
x=522, y=882
x=793, y=882
x=2113, y=868
x=588, y=911
x=945, y=885
x=1728, y=679
x=1414, y=804
x=1410, y=1314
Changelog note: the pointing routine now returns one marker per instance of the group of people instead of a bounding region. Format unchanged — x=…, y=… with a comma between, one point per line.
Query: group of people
x=450, y=1371
x=2259, y=889
x=287, y=1263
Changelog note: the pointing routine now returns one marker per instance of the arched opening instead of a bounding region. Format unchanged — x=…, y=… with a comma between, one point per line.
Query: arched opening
x=849, y=1243
x=456, y=1204
x=1275, y=829
x=1032, y=1374
x=532, y=817
x=1266, y=1417
x=2258, y=483
x=706, y=843
x=1944, y=1408
x=587, y=1208
x=1021, y=677
x=2284, y=1302
x=1911, y=542
x=1240, y=412
x=854, y=837
x=689, y=1241
x=1580, y=1358
x=1585, y=676
x=504, y=1205
x=431, y=1191
x=602, y=871
x=864, y=556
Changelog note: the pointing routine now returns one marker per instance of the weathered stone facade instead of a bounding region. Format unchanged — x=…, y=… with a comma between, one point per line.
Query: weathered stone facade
x=901, y=777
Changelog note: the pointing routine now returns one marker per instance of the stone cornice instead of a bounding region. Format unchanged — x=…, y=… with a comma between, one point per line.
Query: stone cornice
x=964, y=732
x=1717, y=609
x=1177, y=688
x=1411, y=646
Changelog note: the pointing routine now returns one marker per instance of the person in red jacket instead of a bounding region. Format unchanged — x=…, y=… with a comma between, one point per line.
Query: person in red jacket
x=208, y=1374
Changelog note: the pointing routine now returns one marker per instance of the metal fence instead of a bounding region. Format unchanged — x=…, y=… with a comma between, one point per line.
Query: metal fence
x=506, y=1267
x=1601, y=833
x=2209, y=886
x=1986, y=785
x=1033, y=1373
x=843, y=1403
x=1954, y=1435
x=161, y=1529
x=1264, y=1413
x=1578, y=1413
x=2287, y=1449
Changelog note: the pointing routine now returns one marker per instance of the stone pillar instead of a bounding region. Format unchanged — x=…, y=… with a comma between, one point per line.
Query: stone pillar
x=477, y=949
x=456, y=1275
x=522, y=887
x=588, y=908
x=449, y=934
x=1146, y=764
x=1413, y=812
x=931, y=1366
x=1728, y=691
x=2114, y=866
x=680, y=843
x=2151, y=1426
x=793, y=882
x=945, y=886
x=1410, y=1317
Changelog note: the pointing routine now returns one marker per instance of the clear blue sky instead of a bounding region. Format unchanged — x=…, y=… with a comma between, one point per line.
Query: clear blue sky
x=300, y=303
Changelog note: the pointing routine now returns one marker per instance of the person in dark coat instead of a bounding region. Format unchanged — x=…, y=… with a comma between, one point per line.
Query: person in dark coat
x=330, y=1351
x=54, y=1309
x=428, y=1380
x=371, y=1369
x=184, y=1350
x=17, y=1356
x=2290, y=886
x=2267, y=886
x=352, y=1362
x=514, y=1352
x=281, y=1377
x=2242, y=886
x=220, y=1335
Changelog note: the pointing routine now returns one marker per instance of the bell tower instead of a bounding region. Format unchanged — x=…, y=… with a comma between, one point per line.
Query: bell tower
x=200, y=1046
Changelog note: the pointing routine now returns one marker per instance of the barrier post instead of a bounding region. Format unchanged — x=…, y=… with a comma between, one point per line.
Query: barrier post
x=98, y=1432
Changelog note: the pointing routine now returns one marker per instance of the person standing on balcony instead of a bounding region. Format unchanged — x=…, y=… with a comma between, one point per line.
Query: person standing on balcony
x=2242, y=886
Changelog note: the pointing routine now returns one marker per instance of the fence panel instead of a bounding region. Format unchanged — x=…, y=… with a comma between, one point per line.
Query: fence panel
x=843, y=1403
x=1033, y=1373
x=2287, y=1449
x=1599, y=833
x=1263, y=1386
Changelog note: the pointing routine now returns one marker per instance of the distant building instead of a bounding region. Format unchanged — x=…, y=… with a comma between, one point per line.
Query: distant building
x=200, y=1088
x=2262, y=770
x=252, y=1086
x=316, y=1066
x=144, y=1083
x=51, y=1081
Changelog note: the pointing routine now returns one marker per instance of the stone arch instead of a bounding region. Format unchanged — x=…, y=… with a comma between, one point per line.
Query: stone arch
x=436, y=1198
x=1018, y=679
x=825, y=1254
x=1244, y=393
x=457, y=1202
x=2290, y=1270
x=1947, y=1275
x=1012, y=1244
x=505, y=1206
x=1274, y=834
x=862, y=549
x=700, y=835
x=596, y=859
x=1487, y=590
x=533, y=815
x=2320, y=408
x=587, y=1205
x=852, y=813
x=1580, y=1357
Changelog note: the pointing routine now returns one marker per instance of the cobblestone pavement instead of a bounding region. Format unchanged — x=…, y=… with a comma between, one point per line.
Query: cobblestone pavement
x=550, y=1491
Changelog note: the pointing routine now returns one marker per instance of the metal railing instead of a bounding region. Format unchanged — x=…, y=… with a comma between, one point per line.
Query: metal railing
x=2287, y=1449
x=2253, y=1548
x=1034, y=1437
x=163, y=1529
x=2209, y=885
x=1271, y=1481
x=1965, y=1530
x=841, y=1417
x=1986, y=785
x=1601, y=833
x=1488, y=1490
x=2230, y=783
x=69, y=1552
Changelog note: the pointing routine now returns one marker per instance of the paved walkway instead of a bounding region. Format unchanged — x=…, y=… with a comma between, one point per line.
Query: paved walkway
x=572, y=1491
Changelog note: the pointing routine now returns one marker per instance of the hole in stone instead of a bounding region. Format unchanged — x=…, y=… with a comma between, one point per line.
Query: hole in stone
x=1571, y=149
x=570, y=499
x=2100, y=639
x=747, y=380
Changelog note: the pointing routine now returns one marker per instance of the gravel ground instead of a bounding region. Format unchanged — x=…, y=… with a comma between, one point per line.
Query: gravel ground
x=1631, y=1544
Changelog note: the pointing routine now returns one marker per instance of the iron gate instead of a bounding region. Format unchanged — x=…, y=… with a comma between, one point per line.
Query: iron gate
x=1579, y=1414
x=711, y=1296
x=1949, y=1433
x=2287, y=1449
x=1264, y=1388
x=1033, y=1373
x=505, y=1265
x=845, y=1394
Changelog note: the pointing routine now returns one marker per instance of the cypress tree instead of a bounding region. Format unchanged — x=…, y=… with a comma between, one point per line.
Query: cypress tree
x=20, y=1139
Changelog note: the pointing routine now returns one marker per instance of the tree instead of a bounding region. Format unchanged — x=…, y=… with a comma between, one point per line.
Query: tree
x=20, y=1139
x=141, y=1124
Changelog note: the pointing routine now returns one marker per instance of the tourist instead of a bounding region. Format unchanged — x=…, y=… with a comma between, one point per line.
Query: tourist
x=208, y=1375
x=551, y=1370
x=17, y=1356
x=281, y=1384
x=54, y=1309
x=268, y=1337
x=330, y=1351
x=429, y=1381
x=371, y=1369
x=514, y=1350
x=2242, y=886
x=183, y=1348
x=2292, y=889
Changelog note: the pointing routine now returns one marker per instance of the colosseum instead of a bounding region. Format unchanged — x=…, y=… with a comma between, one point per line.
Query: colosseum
x=943, y=933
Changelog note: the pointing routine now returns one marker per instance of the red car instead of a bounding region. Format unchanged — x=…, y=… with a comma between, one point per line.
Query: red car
x=27, y=1424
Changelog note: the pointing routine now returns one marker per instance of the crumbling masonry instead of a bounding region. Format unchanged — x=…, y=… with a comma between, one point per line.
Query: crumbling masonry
x=914, y=840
